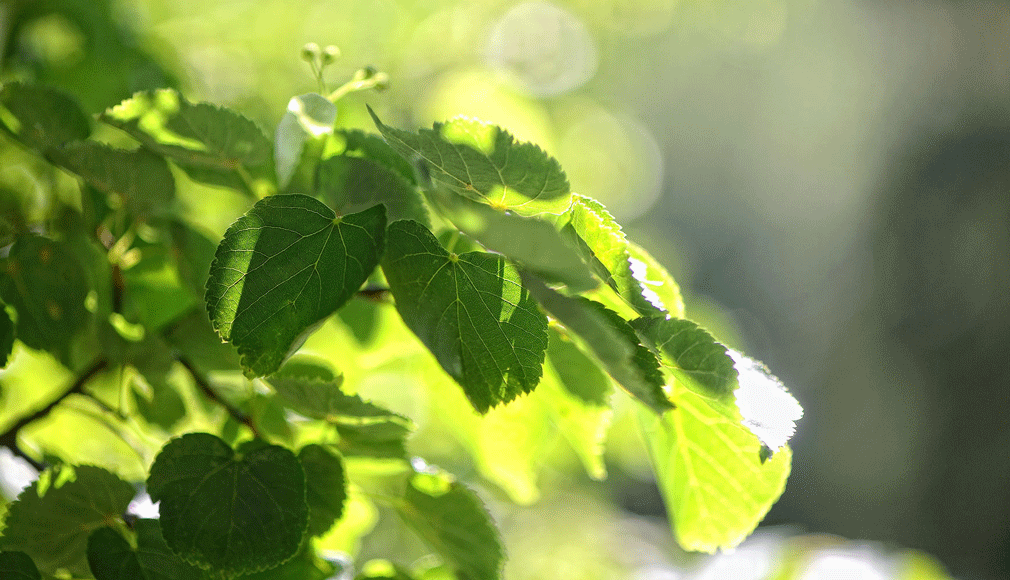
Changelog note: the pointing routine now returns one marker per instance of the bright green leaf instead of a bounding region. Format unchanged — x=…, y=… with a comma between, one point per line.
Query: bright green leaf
x=485, y=163
x=46, y=285
x=533, y=243
x=471, y=311
x=236, y=514
x=211, y=144
x=453, y=521
x=40, y=117
x=352, y=184
x=52, y=518
x=282, y=268
x=382, y=570
x=18, y=566
x=141, y=179
x=635, y=275
x=611, y=340
x=326, y=487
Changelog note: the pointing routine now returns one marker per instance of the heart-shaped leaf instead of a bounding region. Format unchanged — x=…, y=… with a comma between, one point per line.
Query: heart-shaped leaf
x=283, y=267
x=236, y=514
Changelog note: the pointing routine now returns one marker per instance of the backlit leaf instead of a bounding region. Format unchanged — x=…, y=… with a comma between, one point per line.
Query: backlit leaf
x=211, y=144
x=299, y=138
x=237, y=514
x=485, y=163
x=471, y=311
x=453, y=521
x=283, y=267
x=52, y=518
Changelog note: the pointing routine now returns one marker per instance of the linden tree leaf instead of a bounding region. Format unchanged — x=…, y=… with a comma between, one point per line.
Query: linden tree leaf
x=452, y=520
x=357, y=143
x=326, y=487
x=235, y=513
x=46, y=285
x=140, y=178
x=6, y=336
x=485, y=163
x=471, y=311
x=40, y=117
x=282, y=268
x=710, y=471
x=51, y=519
x=535, y=244
x=352, y=184
x=18, y=566
x=635, y=275
x=111, y=557
x=211, y=144
x=611, y=340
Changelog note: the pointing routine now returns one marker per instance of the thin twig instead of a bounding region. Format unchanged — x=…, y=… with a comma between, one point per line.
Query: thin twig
x=10, y=438
x=204, y=385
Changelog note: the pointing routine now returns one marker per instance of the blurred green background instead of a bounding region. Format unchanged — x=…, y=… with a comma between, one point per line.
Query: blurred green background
x=828, y=181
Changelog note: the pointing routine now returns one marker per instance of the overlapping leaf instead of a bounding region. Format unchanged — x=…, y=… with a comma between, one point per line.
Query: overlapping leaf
x=111, y=557
x=352, y=184
x=611, y=340
x=18, y=566
x=52, y=518
x=485, y=163
x=326, y=487
x=710, y=471
x=47, y=286
x=453, y=521
x=635, y=275
x=40, y=117
x=211, y=144
x=6, y=336
x=284, y=266
x=219, y=510
x=471, y=311
x=357, y=143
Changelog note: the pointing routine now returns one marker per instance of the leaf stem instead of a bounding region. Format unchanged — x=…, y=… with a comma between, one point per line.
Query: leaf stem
x=208, y=391
x=9, y=438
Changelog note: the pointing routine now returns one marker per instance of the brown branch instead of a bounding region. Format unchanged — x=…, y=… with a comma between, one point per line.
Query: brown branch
x=204, y=385
x=9, y=438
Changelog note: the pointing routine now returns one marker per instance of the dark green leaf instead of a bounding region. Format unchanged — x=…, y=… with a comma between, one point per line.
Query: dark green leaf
x=110, y=557
x=326, y=487
x=625, y=267
x=6, y=336
x=141, y=179
x=611, y=339
x=236, y=514
x=47, y=286
x=282, y=268
x=304, y=566
x=694, y=357
x=452, y=520
x=352, y=184
x=483, y=162
x=40, y=117
x=18, y=566
x=52, y=518
x=211, y=144
x=533, y=243
x=357, y=143
x=156, y=559
x=471, y=311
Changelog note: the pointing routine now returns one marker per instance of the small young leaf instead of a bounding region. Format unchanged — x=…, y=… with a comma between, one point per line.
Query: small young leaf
x=767, y=408
x=18, y=566
x=485, y=163
x=535, y=244
x=628, y=269
x=140, y=178
x=40, y=117
x=40, y=524
x=611, y=339
x=709, y=469
x=6, y=336
x=283, y=267
x=452, y=520
x=211, y=144
x=309, y=119
x=235, y=514
x=326, y=487
x=471, y=311
x=352, y=184
x=47, y=286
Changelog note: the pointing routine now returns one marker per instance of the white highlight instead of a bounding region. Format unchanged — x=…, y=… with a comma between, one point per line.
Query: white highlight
x=768, y=409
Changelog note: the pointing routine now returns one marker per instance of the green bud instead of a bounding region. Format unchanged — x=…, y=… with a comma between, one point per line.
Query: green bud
x=310, y=52
x=330, y=54
x=381, y=81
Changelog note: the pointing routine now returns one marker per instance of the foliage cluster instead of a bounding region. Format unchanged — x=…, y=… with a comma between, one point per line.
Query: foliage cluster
x=201, y=352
